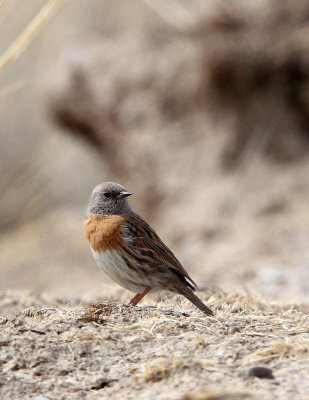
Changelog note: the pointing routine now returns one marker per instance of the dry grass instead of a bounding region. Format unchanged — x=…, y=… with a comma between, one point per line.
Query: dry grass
x=30, y=32
x=169, y=349
x=279, y=350
x=229, y=393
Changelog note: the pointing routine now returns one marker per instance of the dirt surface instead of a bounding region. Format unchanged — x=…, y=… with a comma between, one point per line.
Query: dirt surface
x=167, y=350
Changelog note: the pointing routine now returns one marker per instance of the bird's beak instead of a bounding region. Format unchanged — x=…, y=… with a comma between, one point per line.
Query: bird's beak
x=124, y=194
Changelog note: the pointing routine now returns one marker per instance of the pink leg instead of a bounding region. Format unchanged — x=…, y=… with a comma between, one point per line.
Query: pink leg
x=138, y=297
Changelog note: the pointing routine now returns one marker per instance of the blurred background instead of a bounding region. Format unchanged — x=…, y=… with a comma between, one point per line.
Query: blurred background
x=200, y=108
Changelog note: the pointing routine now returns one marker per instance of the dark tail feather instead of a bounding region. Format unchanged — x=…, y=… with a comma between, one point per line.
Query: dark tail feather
x=197, y=302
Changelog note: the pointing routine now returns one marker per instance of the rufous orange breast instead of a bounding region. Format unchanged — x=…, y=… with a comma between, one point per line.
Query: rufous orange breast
x=104, y=232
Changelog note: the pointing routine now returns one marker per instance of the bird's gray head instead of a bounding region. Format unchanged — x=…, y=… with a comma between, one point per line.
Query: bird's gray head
x=109, y=198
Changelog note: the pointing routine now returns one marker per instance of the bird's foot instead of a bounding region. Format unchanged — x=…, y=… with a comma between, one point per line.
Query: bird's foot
x=138, y=297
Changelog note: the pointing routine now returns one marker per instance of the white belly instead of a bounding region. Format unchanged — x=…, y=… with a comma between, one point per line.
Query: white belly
x=115, y=267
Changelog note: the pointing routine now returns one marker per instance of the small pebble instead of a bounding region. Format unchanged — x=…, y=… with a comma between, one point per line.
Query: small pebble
x=260, y=371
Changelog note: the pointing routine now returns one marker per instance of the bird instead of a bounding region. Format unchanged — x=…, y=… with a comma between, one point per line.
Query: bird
x=129, y=251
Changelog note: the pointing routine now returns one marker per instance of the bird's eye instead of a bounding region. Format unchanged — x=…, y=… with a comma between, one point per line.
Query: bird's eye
x=107, y=195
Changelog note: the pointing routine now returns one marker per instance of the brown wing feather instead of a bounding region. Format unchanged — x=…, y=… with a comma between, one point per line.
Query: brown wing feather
x=146, y=239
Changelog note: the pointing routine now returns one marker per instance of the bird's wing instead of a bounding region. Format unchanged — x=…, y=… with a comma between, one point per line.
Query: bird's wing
x=148, y=245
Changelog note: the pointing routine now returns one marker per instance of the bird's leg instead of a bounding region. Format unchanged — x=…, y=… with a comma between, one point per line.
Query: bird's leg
x=138, y=297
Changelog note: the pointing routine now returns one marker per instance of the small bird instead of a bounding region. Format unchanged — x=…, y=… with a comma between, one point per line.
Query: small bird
x=129, y=251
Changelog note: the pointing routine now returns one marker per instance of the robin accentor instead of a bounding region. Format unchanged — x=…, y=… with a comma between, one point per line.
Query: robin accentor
x=129, y=251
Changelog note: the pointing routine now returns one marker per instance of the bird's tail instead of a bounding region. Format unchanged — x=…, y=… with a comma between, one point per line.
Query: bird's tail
x=197, y=302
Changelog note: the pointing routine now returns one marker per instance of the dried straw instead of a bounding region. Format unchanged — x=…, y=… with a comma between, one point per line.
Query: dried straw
x=31, y=32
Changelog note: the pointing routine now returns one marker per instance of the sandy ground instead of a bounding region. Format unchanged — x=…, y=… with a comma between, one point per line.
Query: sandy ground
x=167, y=350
